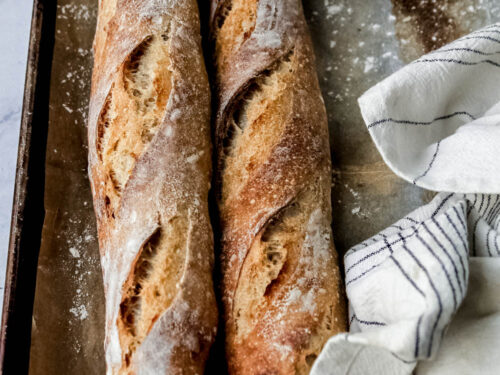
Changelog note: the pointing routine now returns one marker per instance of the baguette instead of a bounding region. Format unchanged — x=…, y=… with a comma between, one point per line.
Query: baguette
x=281, y=287
x=149, y=167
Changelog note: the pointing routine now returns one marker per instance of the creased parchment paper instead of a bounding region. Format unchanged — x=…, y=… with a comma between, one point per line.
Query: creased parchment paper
x=357, y=43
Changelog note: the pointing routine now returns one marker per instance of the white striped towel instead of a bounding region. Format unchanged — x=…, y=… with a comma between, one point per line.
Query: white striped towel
x=424, y=294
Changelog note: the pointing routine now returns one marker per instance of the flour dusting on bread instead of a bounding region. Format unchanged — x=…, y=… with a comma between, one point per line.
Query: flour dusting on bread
x=149, y=164
x=280, y=278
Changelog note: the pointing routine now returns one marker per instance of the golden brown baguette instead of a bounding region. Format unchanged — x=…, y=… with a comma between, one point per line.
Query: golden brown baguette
x=149, y=156
x=281, y=285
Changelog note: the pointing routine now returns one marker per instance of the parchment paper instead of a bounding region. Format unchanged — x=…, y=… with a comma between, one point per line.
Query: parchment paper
x=68, y=325
x=357, y=43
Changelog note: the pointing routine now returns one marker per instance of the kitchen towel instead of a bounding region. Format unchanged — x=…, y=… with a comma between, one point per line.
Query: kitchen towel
x=424, y=294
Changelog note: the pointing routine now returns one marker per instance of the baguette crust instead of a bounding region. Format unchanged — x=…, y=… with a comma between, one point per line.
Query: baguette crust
x=280, y=280
x=149, y=167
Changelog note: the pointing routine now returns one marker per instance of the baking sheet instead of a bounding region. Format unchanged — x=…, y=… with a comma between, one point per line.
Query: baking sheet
x=357, y=43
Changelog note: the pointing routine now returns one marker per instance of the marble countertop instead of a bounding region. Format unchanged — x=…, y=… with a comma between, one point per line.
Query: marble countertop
x=15, y=20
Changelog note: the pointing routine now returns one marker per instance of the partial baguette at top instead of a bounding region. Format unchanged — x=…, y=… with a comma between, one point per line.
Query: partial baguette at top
x=281, y=284
x=149, y=165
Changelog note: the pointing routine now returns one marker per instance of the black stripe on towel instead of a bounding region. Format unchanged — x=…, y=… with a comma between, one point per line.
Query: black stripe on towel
x=430, y=164
x=443, y=232
x=411, y=219
x=458, y=62
x=443, y=202
x=443, y=248
x=368, y=322
x=417, y=338
x=457, y=232
x=411, y=281
x=487, y=30
x=488, y=242
x=494, y=215
x=409, y=122
x=443, y=267
x=481, y=37
x=361, y=275
x=464, y=49
x=460, y=218
x=403, y=360
x=367, y=256
x=438, y=297
x=492, y=209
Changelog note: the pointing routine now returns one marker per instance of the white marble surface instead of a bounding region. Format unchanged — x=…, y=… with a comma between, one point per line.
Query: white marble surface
x=15, y=19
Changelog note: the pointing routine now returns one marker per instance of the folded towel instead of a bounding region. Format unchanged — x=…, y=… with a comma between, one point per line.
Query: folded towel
x=436, y=123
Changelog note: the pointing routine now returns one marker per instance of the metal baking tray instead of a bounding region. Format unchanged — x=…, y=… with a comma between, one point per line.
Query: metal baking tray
x=53, y=314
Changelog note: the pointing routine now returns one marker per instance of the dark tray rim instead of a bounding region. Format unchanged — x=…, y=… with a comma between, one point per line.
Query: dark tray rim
x=28, y=208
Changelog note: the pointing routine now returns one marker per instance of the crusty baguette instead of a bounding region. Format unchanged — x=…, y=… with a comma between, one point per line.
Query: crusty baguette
x=280, y=279
x=149, y=156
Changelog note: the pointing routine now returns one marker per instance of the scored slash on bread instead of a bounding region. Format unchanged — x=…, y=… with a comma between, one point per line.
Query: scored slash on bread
x=281, y=286
x=149, y=166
